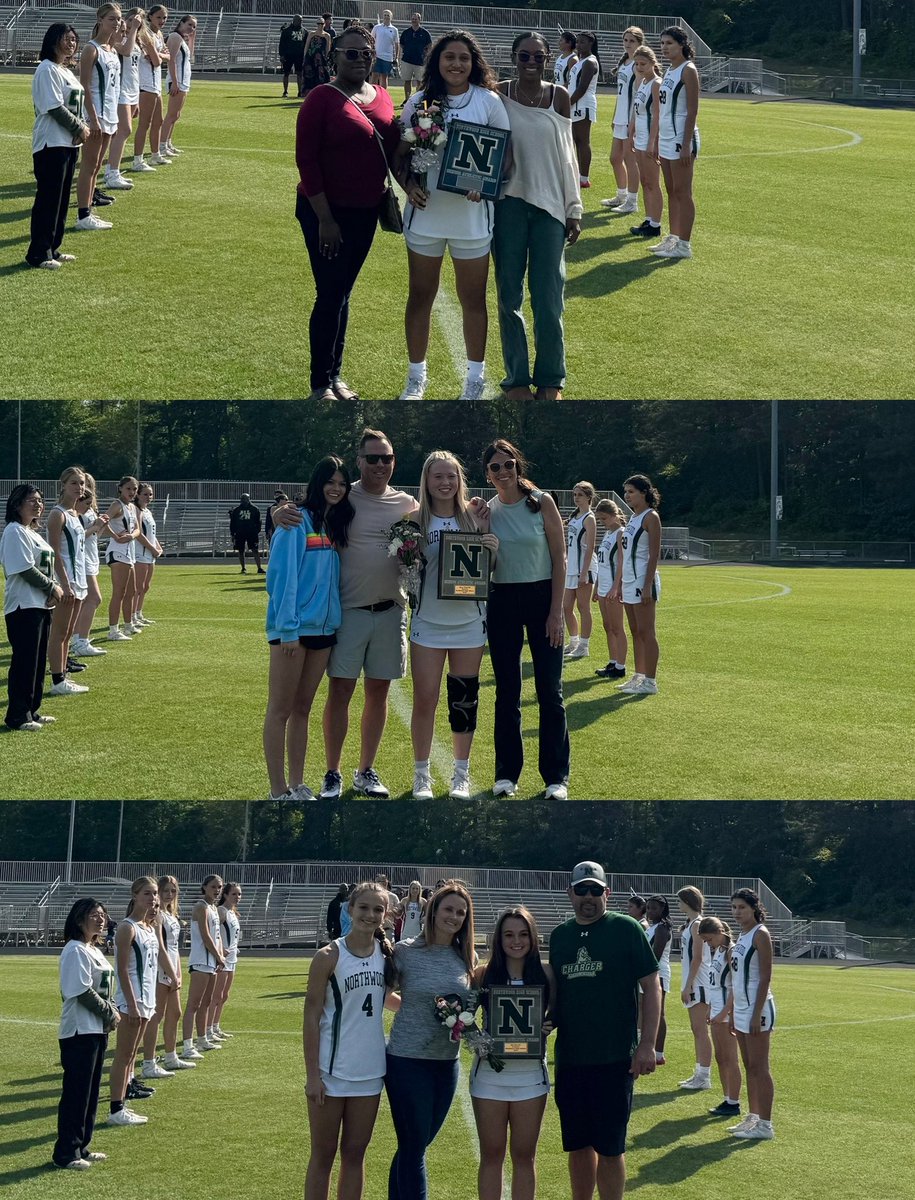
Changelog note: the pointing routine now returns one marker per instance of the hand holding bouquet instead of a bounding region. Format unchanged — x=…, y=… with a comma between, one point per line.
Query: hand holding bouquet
x=458, y=1019
x=425, y=133
x=406, y=545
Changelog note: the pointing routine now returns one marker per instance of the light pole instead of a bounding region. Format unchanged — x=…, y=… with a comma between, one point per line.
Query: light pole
x=19, y=445
x=139, y=440
x=70, y=841
x=117, y=869
x=856, y=49
x=773, y=480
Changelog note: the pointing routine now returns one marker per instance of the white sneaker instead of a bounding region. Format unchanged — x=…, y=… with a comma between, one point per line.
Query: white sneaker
x=648, y=687
x=504, y=787
x=91, y=222
x=556, y=791
x=225, y=1036
x=460, y=785
x=569, y=647
x=631, y=685
x=167, y=150
x=143, y=621
x=140, y=165
x=117, y=183
x=133, y=628
x=696, y=1083
x=126, y=1117
x=614, y=201
x=83, y=648
x=415, y=389
x=665, y=242
x=117, y=636
x=302, y=793
x=29, y=727
x=205, y=1044
x=761, y=1129
x=67, y=687
x=156, y=1072
x=160, y=160
x=627, y=206
x=174, y=149
x=215, y=1036
x=51, y=264
x=473, y=390
x=679, y=249
x=580, y=651
x=75, y=1164
x=179, y=1064
x=369, y=784
x=422, y=786
x=742, y=1126
x=191, y=1055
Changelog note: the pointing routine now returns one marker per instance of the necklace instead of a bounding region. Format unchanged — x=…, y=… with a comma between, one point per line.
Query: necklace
x=468, y=96
x=522, y=98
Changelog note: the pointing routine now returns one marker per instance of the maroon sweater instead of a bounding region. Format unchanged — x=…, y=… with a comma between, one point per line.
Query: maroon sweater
x=336, y=151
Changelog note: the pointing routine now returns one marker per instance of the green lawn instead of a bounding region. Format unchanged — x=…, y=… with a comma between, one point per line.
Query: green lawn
x=775, y=683
x=202, y=288
x=843, y=1116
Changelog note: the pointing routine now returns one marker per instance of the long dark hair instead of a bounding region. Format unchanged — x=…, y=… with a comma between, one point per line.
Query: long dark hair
x=481, y=73
x=52, y=37
x=643, y=484
x=73, y=926
x=495, y=974
x=335, y=520
x=661, y=901
x=503, y=446
x=676, y=34
x=751, y=900
x=16, y=499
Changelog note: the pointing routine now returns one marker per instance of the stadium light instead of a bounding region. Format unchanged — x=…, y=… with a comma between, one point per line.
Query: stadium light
x=774, y=513
x=857, y=49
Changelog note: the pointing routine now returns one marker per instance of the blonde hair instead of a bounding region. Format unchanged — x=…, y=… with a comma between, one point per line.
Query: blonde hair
x=90, y=490
x=144, y=880
x=101, y=12
x=715, y=925
x=692, y=898
x=610, y=506
x=588, y=488
x=647, y=52
x=67, y=475
x=461, y=512
x=172, y=907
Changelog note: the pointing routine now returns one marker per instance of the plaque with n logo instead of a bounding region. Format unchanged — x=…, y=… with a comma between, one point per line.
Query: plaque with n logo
x=515, y=1017
x=464, y=565
x=472, y=159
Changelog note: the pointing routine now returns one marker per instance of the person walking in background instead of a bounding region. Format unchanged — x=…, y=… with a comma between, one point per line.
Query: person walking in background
x=414, y=45
x=245, y=528
x=316, y=64
x=292, y=53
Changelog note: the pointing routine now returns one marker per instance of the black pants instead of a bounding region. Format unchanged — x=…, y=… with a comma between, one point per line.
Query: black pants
x=53, y=168
x=27, y=630
x=513, y=609
x=82, y=1058
x=334, y=281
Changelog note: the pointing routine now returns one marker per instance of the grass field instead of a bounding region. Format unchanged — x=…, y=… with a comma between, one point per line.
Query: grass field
x=202, y=289
x=844, y=1125
x=775, y=683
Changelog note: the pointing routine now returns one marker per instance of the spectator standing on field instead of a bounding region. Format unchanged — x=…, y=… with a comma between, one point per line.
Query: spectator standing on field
x=292, y=53
x=245, y=527
x=333, y=911
x=278, y=499
x=414, y=43
x=387, y=49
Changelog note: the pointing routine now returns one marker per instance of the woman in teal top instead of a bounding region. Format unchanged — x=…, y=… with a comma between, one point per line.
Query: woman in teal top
x=526, y=597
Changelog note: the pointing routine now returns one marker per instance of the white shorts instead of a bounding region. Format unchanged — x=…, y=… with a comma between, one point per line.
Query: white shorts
x=448, y=637
x=411, y=71
x=605, y=582
x=621, y=130
x=632, y=592
x=144, y=1012
x=145, y=556
x=119, y=554
x=716, y=1009
x=484, y=1087
x=640, y=141
x=743, y=1015
x=669, y=148
x=334, y=1086
x=129, y=99
x=165, y=980
x=699, y=996
x=201, y=970
x=230, y=965
x=433, y=247
x=573, y=578
x=108, y=127
x=580, y=111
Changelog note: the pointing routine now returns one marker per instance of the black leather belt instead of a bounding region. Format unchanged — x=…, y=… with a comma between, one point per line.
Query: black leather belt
x=382, y=606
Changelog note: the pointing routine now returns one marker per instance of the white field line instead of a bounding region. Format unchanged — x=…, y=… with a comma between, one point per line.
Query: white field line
x=783, y=590
x=470, y=1121
x=440, y=760
x=855, y=140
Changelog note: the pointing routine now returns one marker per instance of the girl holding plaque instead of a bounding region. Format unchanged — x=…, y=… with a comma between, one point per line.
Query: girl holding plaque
x=514, y=1098
x=445, y=630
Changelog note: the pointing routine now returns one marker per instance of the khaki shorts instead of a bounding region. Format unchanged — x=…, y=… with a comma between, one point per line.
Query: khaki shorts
x=373, y=642
x=411, y=71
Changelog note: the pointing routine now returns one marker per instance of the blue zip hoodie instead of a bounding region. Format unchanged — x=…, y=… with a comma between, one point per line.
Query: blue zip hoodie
x=303, y=584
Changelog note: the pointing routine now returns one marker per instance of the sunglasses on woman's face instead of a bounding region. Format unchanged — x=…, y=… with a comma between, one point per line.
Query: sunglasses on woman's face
x=373, y=459
x=588, y=889
x=525, y=56
x=351, y=54
x=508, y=465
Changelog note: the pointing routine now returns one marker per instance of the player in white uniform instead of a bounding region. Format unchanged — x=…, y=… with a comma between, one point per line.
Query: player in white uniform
x=68, y=541
x=136, y=951
x=583, y=80
x=205, y=960
x=413, y=907
x=610, y=518
x=180, y=48
x=121, y=554
x=230, y=927
x=152, y=44
x=694, y=995
x=678, y=140
x=148, y=552
x=640, y=581
x=80, y=644
x=343, y=1040
x=508, y=1105
x=660, y=939
x=100, y=75
x=128, y=48
x=753, y=1011
x=717, y=936
x=581, y=571
x=168, y=988
x=643, y=134
x=452, y=631
x=622, y=156
x=565, y=59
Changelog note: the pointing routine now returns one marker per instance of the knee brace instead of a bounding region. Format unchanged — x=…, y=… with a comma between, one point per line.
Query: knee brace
x=463, y=701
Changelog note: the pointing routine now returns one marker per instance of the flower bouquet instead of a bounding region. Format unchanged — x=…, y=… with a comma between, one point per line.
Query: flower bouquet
x=425, y=133
x=406, y=545
x=459, y=1021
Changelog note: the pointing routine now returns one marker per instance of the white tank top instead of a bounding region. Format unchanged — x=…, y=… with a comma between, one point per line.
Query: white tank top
x=643, y=108
x=130, y=75
x=719, y=980
x=560, y=67
x=412, y=920
x=745, y=969
x=702, y=976
x=201, y=956
x=635, y=548
x=73, y=547
x=673, y=103
x=231, y=933
x=589, y=99
x=625, y=93
x=351, y=1027
x=607, y=565
x=171, y=933
x=575, y=544
x=92, y=561
x=664, y=960
x=142, y=963
x=150, y=76
x=442, y=612
x=148, y=529
x=125, y=523
x=105, y=83
x=183, y=67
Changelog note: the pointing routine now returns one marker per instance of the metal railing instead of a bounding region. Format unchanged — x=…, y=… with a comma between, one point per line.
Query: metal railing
x=813, y=550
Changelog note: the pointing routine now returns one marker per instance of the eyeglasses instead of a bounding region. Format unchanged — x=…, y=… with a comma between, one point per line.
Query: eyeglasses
x=525, y=56
x=372, y=459
x=508, y=465
x=351, y=54
x=33, y=500
x=588, y=889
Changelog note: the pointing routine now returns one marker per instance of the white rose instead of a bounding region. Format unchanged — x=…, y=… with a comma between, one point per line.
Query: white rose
x=409, y=135
x=440, y=139
x=451, y=1021
x=465, y=1018
x=425, y=122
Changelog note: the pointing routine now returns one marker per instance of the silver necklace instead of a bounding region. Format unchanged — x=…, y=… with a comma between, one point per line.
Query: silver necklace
x=538, y=103
x=456, y=107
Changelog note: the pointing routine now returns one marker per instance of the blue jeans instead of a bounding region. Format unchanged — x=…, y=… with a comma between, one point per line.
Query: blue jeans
x=420, y=1091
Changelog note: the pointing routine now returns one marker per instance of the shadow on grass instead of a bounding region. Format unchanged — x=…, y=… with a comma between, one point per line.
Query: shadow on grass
x=26, y=1097
x=16, y=191
x=297, y=995
x=607, y=277
x=28, y=1114
x=681, y=1161
x=16, y=268
x=25, y=1172
x=14, y=241
x=35, y=1079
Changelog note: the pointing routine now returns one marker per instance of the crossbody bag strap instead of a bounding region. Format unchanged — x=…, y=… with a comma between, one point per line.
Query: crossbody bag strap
x=365, y=117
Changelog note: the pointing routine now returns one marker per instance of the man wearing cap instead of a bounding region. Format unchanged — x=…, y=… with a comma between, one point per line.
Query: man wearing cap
x=245, y=527
x=599, y=959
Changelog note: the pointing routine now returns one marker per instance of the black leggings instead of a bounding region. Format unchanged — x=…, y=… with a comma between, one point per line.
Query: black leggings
x=334, y=281
x=53, y=169
x=27, y=630
x=82, y=1058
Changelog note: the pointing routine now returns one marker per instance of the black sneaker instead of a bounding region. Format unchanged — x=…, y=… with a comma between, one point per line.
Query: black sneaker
x=332, y=787
x=611, y=672
x=646, y=229
x=74, y=667
x=137, y=1091
x=604, y=672
x=101, y=199
x=725, y=1110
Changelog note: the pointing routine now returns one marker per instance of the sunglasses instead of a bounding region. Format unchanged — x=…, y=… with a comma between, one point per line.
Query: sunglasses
x=372, y=459
x=508, y=465
x=589, y=889
x=351, y=54
x=525, y=56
